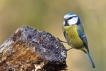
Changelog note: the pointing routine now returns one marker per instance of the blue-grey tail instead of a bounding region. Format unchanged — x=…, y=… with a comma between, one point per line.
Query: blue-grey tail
x=90, y=59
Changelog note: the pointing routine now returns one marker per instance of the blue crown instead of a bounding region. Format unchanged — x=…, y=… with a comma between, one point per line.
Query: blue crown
x=68, y=15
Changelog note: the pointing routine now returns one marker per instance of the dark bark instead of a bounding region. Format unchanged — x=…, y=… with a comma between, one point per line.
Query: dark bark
x=31, y=50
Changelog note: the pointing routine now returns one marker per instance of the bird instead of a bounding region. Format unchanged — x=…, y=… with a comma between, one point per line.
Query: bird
x=74, y=34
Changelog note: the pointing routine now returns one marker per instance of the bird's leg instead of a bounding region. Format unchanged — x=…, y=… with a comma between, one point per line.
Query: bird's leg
x=61, y=40
x=68, y=49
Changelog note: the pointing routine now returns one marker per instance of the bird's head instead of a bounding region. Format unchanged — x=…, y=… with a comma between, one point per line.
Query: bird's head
x=71, y=19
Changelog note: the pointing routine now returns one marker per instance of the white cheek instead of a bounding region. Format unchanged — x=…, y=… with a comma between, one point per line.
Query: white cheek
x=73, y=21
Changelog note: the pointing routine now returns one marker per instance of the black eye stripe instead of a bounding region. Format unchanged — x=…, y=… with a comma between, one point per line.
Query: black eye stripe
x=69, y=18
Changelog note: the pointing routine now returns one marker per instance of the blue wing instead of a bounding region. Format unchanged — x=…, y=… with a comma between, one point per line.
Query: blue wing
x=83, y=38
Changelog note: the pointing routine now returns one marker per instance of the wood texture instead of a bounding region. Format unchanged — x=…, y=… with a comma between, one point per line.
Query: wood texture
x=31, y=50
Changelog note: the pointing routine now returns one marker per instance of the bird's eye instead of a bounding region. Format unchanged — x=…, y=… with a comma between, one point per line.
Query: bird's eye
x=70, y=18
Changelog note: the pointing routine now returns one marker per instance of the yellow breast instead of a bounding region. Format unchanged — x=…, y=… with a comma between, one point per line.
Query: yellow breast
x=72, y=37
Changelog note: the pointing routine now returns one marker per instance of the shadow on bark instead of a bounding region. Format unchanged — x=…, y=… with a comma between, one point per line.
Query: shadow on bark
x=31, y=50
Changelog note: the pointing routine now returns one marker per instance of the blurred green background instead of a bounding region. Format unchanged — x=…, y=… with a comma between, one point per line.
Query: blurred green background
x=47, y=15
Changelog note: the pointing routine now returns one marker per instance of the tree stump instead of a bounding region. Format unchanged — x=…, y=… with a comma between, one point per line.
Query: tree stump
x=31, y=50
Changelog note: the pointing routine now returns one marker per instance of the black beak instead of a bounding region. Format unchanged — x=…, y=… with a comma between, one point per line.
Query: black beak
x=66, y=23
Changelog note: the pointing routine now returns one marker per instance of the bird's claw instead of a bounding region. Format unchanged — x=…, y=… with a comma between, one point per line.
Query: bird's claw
x=61, y=40
x=68, y=49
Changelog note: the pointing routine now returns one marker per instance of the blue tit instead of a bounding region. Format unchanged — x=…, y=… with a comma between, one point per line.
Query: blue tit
x=74, y=34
